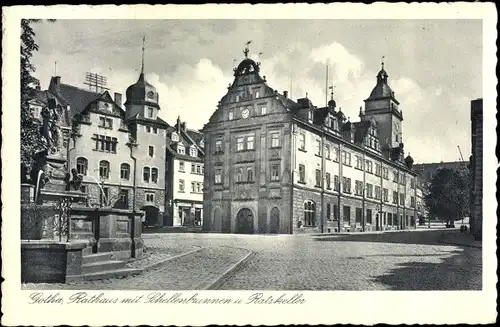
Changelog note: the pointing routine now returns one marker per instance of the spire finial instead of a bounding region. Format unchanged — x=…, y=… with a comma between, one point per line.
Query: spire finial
x=246, y=51
x=382, y=59
x=331, y=93
x=143, y=42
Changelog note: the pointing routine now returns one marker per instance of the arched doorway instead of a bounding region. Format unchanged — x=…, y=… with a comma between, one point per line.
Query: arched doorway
x=244, y=221
x=151, y=215
x=217, y=222
x=275, y=221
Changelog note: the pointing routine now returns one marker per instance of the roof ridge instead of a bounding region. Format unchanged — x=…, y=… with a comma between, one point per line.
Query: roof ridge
x=81, y=89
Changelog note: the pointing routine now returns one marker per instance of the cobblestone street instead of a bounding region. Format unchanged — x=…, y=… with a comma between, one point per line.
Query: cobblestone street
x=301, y=262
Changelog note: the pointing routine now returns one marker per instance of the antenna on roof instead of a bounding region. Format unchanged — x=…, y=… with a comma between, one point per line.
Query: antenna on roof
x=55, y=68
x=96, y=83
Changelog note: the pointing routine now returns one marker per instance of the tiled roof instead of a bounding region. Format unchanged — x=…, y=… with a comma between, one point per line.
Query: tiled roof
x=77, y=98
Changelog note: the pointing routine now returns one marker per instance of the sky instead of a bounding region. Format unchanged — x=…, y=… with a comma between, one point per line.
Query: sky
x=434, y=66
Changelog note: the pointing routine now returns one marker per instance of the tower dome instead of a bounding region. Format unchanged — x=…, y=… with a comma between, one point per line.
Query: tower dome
x=382, y=89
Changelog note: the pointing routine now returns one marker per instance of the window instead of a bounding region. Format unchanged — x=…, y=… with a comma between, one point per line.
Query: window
x=198, y=169
x=249, y=174
x=359, y=215
x=318, y=178
x=250, y=143
x=378, y=194
x=336, y=154
x=237, y=98
x=335, y=212
x=389, y=219
x=218, y=146
x=358, y=188
x=123, y=199
x=369, y=166
x=125, y=171
x=275, y=172
x=401, y=198
x=155, y=130
x=336, y=183
x=359, y=162
x=412, y=182
x=309, y=213
x=104, y=169
x=198, y=187
x=328, y=181
x=263, y=110
x=193, y=187
x=327, y=152
x=395, y=197
x=105, y=143
x=148, y=129
x=151, y=151
x=369, y=216
x=150, y=197
x=218, y=176
x=154, y=175
x=193, y=152
x=302, y=141
x=239, y=175
x=395, y=220
x=412, y=202
x=395, y=176
x=318, y=147
x=240, y=143
x=146, y=174
x=230, y=114
x=181, y=149
x=310, y=115
x=193, y=168
x=150, y=112
x=181, y=166
x=106, y=122
x=386, y=173
x=275, y=140
x=81, y=166
x=346, y=158
x=175, y=137
x=347, y=215
x=257, y=94
x=402, y=179
x=328, y=211
x=369, y=190
x=181, y=185
x=302, y=174
x=378, y=169
x=346, y=184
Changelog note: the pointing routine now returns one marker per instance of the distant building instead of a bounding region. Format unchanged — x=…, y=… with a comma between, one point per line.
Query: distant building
x=476, y=222
x=184, y=174
x=273, y=165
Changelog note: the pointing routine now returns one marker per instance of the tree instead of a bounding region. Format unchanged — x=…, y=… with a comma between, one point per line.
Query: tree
x=448, y=197
x=32, y=141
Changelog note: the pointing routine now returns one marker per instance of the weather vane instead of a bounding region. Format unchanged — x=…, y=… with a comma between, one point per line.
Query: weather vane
x=383, y=57
x=246, y=49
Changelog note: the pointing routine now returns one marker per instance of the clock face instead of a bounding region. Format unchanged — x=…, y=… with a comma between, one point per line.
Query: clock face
x=245, y=113
x=151, y=94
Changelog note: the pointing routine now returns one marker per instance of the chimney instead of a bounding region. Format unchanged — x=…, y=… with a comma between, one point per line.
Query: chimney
x=183, y=125
x=285, y=93
x=178, y=125
x=118, y=99
x=57, y=80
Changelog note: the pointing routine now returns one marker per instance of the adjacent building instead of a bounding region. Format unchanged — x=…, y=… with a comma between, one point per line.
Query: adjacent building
x=274, y=165
x=476, y=219
x=184, y=174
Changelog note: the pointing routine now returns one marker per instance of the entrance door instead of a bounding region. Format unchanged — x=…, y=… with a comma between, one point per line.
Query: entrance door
x=377, y=220
x=275, y=221
x=244, y=222
x=151, y=218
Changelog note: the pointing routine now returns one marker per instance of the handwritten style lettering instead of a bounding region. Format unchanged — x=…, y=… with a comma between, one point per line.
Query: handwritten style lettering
x=258, y=298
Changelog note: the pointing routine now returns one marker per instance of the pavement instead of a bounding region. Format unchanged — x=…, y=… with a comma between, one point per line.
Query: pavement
x=310, y=262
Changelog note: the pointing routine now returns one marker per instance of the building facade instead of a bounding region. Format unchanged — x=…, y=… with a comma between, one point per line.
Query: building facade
x=184, y=175
x=273, y=165
x=118, y=150
x=476, y=219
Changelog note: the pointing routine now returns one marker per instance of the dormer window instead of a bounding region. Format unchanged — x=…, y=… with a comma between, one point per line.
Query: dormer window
x=257, y=94
x=310, y=115
x=237, y=98
x=230, y=115
x=181, y=149
x=202, y=143
x=175, y=137
x=193, y=152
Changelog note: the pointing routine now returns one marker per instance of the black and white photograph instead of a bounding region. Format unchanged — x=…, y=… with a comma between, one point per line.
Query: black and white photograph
x=271, y=157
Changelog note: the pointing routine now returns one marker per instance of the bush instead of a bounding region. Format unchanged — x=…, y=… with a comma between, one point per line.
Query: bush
x=36, y=218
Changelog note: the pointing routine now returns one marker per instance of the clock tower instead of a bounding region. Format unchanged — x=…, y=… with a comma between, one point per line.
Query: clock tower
x=382, y=106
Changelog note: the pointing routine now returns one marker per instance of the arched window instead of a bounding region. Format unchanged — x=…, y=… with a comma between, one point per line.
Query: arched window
x=309, y=213
x=125, y=171
x=104, y=169
x=145, y=174
x=82, y=165
x=154, y=175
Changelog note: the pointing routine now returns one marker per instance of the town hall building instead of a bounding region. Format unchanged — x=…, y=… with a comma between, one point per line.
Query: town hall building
x=274, y=165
